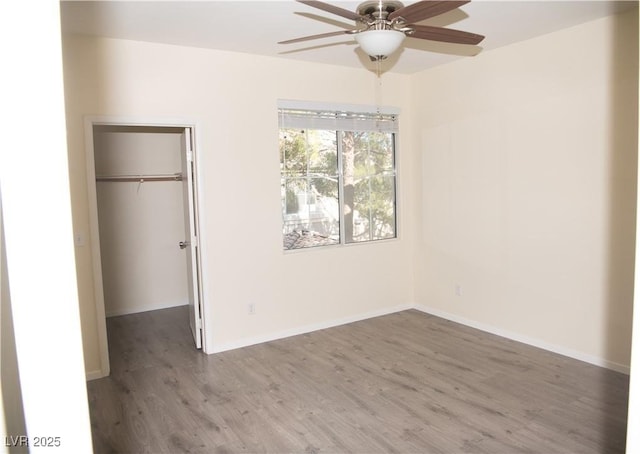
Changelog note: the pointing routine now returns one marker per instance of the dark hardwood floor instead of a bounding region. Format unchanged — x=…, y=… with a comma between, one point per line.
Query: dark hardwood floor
x=402, y=383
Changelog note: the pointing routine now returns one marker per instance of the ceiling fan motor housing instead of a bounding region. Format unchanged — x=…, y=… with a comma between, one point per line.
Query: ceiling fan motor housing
x=378, y=43
x=377, y=12
x=377, y=9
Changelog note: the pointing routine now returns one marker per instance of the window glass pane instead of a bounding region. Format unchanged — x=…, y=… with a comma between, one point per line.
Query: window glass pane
x=319, y=190
x=374, y=213
x=293, y=152
x=309, y=188
x=369, y=186
x=291, y=190
x=322, y=155
x=382, y=205
x=312, y=218
x=373, y=152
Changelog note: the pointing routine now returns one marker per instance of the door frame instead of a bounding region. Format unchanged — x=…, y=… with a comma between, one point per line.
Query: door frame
x=94, y=233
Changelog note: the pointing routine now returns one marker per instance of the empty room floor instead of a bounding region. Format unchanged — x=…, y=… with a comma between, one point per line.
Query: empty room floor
x=402, y=383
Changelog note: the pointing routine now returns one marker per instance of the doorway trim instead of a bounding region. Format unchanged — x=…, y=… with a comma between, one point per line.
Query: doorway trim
x=94, y=235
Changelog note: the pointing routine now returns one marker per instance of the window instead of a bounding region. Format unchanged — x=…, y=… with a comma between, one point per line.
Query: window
x=338, y=178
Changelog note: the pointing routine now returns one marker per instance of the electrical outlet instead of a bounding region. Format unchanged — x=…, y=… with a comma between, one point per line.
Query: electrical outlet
x=251, y=309
x=78, y=239
x=458, y=290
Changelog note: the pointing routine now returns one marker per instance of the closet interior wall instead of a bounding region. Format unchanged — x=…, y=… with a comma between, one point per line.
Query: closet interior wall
x=141, y=221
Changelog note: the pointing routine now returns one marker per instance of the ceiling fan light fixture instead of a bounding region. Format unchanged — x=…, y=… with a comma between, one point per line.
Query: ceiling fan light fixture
x=377, y=43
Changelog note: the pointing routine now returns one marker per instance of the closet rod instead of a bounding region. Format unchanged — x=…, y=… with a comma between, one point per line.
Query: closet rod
x=140, y=178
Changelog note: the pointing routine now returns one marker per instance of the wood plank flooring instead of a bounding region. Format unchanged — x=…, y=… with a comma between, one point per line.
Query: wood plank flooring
x=403, y=383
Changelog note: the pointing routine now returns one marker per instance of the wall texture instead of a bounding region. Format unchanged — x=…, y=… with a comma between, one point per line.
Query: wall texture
x=529, y=158
x=235, y=108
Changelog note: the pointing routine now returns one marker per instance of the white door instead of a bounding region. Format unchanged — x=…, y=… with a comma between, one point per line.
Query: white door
x=190, y=242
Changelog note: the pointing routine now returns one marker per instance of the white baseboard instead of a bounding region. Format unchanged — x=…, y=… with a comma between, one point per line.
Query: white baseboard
x=95, y=374
x=138, y=309
x=246, y=342
x=526, y=340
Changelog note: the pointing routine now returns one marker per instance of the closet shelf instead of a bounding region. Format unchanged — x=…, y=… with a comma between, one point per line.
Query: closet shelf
x=140, y=178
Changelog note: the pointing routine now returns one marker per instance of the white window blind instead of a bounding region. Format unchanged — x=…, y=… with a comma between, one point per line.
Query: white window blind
x=337, y=121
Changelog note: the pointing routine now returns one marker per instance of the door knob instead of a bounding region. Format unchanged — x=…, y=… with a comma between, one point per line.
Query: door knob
x=183, y=244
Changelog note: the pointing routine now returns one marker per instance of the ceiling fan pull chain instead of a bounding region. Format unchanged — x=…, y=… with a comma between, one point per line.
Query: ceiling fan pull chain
x=378, y=86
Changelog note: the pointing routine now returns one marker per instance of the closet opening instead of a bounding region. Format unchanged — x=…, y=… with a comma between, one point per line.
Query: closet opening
x=144, y=223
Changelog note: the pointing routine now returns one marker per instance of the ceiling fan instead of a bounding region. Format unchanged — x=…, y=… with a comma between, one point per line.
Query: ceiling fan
x=382, y=25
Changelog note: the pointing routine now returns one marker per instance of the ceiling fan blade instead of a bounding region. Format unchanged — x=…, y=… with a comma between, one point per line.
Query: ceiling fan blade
x=425, y=9
x=333, y=9
x=321, y=35
x=446, y=35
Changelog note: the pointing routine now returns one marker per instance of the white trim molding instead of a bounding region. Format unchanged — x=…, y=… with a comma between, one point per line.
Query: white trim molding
x=89, y=123
x=596, y=361
x=246, y=342
x=591, y=359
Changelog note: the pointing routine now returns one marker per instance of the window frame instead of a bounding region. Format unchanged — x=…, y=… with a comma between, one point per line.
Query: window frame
x=339, y=109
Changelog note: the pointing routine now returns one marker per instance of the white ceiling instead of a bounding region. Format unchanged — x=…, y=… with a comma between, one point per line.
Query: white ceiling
x=255, y=27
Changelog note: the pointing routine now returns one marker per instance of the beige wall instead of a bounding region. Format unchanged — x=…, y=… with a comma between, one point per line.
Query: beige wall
x=38, y=235
x=529, y=162
x=233, y=99
x=11, y=407
x=633, y=420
